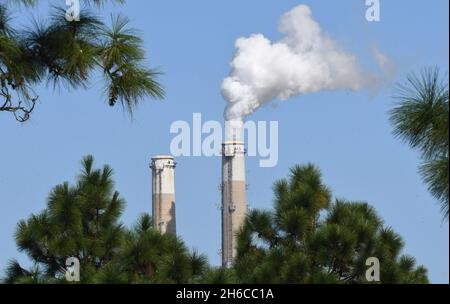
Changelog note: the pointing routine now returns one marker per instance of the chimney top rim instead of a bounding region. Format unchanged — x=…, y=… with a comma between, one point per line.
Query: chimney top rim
x=234, y=142
x=158, y=157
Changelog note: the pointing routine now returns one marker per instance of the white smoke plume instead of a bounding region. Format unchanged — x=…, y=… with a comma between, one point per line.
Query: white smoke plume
x=304, y=61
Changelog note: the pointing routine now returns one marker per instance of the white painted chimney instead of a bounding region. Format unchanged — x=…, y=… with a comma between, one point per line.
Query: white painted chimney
x=163, y=194
x=234, y=197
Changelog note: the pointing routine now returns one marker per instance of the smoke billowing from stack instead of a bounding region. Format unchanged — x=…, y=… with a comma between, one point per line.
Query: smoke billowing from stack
x=304, y=61
x=163, y=194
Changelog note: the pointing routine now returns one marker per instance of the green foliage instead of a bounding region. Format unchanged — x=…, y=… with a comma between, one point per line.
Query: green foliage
x=307, y=239
x=421, y=118
x=219, y=275
x=68, y=53
x=146, y=256
x=82, y=221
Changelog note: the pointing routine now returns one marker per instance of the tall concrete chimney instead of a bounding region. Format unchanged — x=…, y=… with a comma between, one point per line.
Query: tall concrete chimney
x=163, y=194
x=234, y=198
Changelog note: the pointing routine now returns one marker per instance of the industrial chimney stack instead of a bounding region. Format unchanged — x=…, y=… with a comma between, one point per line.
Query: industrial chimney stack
x=163, y=194
x=234, y=198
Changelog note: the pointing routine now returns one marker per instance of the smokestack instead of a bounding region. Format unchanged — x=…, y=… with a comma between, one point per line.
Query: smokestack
x=163, y=194
x=234, y=198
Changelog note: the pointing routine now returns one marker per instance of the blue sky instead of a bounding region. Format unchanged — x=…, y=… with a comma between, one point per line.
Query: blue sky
x=346, y=134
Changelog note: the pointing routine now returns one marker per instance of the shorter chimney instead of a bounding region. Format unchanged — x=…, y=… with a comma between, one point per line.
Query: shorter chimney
x=163, y=194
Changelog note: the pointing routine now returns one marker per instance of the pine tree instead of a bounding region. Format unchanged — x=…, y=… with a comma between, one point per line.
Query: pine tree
x=146, y=256
x=69, y=53
x=82, y=221
x=305, y=239
x=420, y=118
x=308, y=239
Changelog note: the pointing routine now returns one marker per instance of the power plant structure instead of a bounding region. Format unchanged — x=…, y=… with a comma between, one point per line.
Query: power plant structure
x=234, y=197
x=163, y=194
